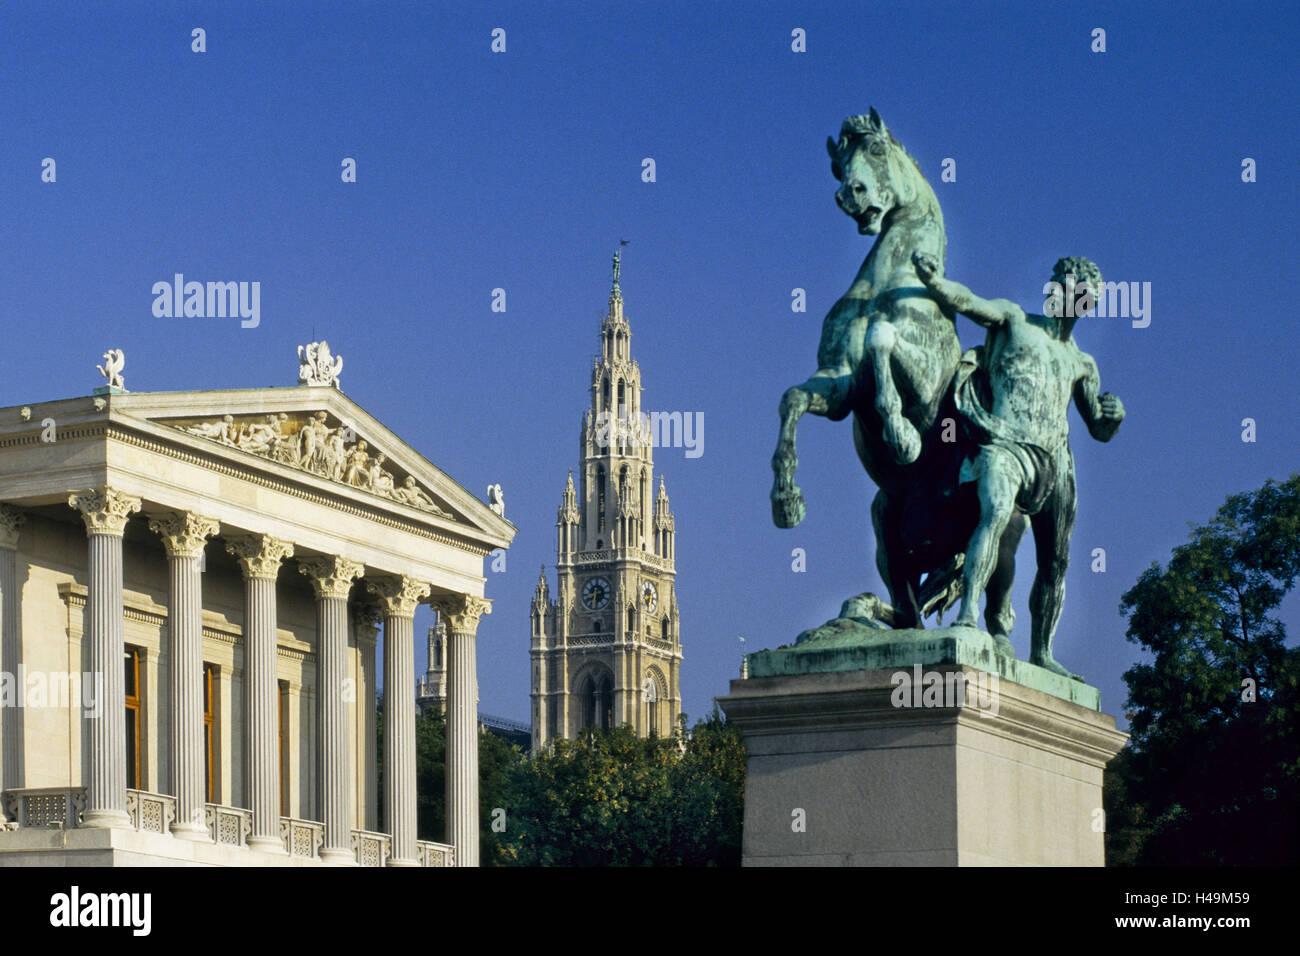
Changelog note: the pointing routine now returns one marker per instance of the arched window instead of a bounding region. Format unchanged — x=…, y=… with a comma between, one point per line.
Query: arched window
x=631, y=620
x=622, y=400
x=595, y=626
x=600, y=498
x=604, y=395
x=650, y=692
x=587, y=704
x=606, y=703
x=663, y=628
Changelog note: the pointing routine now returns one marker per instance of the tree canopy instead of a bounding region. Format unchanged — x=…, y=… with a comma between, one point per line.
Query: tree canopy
x=1212, y=773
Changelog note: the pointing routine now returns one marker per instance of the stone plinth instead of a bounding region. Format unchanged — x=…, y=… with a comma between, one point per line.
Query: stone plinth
x=890, y=767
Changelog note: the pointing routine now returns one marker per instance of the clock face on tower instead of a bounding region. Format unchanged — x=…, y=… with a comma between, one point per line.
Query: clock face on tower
x=649, y=597
x=595, y=593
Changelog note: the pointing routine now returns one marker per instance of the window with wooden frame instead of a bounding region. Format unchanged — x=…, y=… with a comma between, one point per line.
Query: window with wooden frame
x=284, y=747
x=134, y=716
x=210, y=672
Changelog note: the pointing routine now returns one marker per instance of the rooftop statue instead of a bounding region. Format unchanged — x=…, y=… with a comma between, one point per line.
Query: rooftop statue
x=114, y=362
x=317, y=367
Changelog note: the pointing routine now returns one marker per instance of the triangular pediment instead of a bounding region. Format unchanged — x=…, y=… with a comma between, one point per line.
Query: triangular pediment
x=321, y=434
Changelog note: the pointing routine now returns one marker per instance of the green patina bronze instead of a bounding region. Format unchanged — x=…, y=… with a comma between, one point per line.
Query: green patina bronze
x=967, y=450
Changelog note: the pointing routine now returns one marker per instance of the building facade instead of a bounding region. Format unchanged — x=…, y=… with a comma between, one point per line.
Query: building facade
x=606, y=650
x=193, y=586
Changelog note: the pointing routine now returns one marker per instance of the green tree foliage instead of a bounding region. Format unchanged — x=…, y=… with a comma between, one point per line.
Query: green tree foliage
x=615, y=799
x=1212, y=776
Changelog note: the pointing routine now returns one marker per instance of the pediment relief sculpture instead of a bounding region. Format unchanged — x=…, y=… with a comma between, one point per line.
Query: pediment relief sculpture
x=310, y=443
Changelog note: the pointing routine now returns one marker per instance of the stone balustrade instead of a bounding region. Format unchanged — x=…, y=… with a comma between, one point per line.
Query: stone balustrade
x=371, y=849
x=302, y=838
x=228, y=826
x=46, y=806
x=434, y=854
x=150, y=812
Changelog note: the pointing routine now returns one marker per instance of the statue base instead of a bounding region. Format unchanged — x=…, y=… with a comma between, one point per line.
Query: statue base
x=885, y=748
x=853, y=644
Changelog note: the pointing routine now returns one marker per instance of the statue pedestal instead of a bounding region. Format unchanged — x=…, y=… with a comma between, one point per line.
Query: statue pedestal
x=939, y=763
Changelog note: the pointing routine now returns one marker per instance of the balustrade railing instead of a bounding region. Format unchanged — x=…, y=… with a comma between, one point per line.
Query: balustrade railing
x=150, y=812
x=371, y=849
x=228, y=826
x=302, y=838
x=46, y=806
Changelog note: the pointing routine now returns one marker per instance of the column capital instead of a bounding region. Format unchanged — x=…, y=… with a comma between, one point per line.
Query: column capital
x=259, y=555
x=11, y=519
x=104, y=510
x=462, y=611
x=331, y=576
x=398, y=594
x=184, y=533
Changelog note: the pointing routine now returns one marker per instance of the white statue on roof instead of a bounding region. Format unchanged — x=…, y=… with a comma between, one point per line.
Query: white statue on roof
x=317, y=367
x=114, y=361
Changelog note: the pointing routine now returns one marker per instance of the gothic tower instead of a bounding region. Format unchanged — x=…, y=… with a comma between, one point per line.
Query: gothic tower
x=607, y=649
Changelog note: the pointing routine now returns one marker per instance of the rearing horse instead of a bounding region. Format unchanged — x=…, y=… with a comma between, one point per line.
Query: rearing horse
x=888, y=355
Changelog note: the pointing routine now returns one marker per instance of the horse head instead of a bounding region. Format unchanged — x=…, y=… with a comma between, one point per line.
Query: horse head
x=876, y=175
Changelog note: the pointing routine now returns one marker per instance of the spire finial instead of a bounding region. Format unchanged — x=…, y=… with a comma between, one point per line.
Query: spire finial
x=618, y=262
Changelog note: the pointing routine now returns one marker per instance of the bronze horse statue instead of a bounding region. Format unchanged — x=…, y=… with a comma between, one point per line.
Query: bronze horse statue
x=888, y=356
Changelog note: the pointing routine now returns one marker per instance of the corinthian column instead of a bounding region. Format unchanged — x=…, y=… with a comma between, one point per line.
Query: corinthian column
x=398, y=597
x=332, y=579
x=259, y=557
x=105, y=513
x=462, y=613
x=10, y=647
x=365, y=618
x=184, y=536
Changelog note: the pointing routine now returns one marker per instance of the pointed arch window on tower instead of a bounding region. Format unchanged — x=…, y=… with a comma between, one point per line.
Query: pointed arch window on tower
x=604, y=395
x=600, y=498
x=606, y=703
x=587, y=702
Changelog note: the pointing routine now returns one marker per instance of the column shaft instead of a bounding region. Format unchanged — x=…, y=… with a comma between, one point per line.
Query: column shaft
x=11, y=736
x=399, y=735
x=259, y=558
x=462, y=747
x=185, y=621
x=399, y=596
x=263, y=720
x=336, y=765
x=106, y=731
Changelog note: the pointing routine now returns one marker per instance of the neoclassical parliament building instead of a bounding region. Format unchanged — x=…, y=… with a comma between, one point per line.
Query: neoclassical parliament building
x=606, y=650
x=192, y=586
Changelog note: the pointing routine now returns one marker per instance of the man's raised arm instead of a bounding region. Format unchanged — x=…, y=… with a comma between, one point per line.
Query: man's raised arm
x=955, y=297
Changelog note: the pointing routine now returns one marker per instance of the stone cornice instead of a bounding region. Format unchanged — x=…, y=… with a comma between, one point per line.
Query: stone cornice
x=843, y=701
x=184, y=533
x=104, y=510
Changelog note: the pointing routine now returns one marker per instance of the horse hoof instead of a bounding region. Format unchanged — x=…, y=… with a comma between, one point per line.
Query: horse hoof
x=788, y=508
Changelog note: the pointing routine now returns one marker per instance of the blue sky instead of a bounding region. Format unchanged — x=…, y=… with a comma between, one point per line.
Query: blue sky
x=522, y=170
